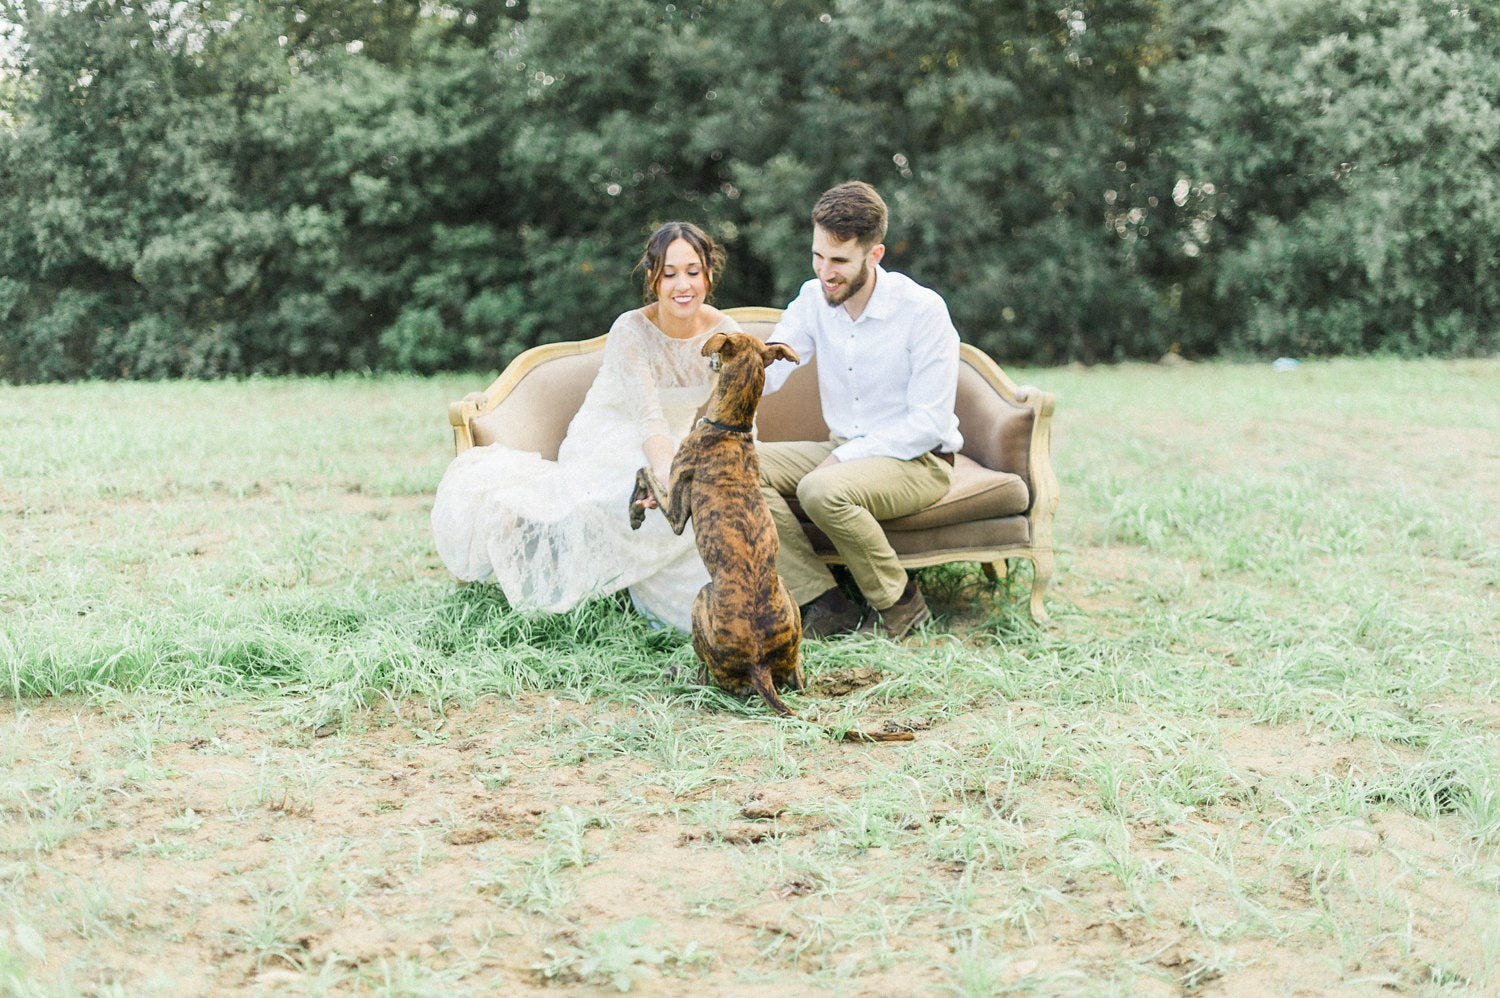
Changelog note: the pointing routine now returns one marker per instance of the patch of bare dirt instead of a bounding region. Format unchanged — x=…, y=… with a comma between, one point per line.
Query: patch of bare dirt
x=842, y=682
x=219, y=851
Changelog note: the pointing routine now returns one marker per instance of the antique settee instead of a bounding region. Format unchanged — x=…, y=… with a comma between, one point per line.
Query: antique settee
x=1004, y=492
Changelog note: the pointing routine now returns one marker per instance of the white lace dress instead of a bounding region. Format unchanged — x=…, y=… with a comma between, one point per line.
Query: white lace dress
x=553, y=534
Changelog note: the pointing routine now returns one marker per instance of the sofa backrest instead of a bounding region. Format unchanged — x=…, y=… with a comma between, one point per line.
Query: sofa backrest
x=793, y=412
x=536, y=413
x=997, y=433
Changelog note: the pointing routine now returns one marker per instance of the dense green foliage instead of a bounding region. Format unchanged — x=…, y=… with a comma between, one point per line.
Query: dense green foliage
x=219, y=187
x=1354, y=154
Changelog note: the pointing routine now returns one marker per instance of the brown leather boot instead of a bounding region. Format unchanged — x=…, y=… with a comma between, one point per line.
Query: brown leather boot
x=829, y=615
x=900, y=617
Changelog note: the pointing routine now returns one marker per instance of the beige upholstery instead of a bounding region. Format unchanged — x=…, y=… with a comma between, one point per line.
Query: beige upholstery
x=1004, y=491
x=530, y=404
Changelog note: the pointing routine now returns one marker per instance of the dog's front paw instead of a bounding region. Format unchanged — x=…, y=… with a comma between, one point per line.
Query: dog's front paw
x=638, y=500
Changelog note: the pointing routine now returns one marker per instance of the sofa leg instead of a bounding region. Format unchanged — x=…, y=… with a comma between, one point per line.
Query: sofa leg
x=995, y=570
x=1041, y=575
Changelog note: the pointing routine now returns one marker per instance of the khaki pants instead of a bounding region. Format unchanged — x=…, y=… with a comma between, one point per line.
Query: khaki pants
x=846, y=501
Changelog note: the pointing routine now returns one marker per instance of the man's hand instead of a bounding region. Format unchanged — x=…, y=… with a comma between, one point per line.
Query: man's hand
x=827, y=462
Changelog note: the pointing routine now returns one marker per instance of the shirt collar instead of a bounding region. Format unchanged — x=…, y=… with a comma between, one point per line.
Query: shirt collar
x=882, y=301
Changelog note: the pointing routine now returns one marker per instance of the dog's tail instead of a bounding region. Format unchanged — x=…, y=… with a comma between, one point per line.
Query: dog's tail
x=760, y=678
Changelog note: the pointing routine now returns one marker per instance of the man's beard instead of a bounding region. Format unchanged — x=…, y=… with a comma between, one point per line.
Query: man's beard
x=847, y=291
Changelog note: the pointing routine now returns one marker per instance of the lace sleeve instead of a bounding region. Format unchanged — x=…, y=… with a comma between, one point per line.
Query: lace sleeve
x=633, y=369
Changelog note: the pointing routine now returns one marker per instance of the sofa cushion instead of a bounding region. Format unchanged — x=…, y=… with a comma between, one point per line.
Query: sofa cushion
x=977, y=493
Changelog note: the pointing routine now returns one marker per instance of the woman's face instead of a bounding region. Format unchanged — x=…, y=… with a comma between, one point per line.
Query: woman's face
x=683, y=287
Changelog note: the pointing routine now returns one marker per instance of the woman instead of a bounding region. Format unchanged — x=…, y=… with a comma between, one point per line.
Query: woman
x=554, y=534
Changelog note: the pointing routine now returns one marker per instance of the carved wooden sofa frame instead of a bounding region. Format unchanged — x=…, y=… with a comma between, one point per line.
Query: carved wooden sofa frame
x=1004, y=493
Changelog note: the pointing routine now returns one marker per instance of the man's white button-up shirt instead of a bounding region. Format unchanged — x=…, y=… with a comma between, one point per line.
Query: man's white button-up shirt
x=887, y=379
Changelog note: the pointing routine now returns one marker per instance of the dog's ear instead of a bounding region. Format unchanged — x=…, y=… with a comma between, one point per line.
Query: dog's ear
x=714, y=343
x=780, y=351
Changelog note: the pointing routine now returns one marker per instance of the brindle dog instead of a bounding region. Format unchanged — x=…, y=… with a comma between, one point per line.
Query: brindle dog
x=747, y=631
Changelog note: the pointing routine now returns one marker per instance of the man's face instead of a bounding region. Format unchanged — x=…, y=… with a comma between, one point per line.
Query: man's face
x=843, y=267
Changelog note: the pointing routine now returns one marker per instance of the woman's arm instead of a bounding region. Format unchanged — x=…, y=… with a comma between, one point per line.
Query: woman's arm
x=632, y=367
x=660, y=450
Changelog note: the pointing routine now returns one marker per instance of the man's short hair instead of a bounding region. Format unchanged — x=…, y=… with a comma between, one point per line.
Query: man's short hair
x=852, y=210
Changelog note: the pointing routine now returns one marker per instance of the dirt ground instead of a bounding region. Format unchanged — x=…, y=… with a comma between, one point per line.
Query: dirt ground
x=208, y=849
x=545, y=845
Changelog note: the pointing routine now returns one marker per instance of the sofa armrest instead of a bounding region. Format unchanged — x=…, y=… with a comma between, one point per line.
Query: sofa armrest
x=1027, y=394
x=1008, y=427
x=461, y=415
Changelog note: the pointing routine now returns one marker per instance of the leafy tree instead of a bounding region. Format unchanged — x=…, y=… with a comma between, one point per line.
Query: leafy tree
x=211, y=187
x=80, y=171
x=620, y=130
x=219, y=193
x=994, y=132
x=391, y=217
x=1352, y=151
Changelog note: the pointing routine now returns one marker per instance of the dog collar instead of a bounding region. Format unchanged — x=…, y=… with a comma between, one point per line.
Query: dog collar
x=724, y=426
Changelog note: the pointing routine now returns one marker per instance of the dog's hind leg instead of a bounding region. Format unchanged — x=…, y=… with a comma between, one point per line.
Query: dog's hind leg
x=703, y=645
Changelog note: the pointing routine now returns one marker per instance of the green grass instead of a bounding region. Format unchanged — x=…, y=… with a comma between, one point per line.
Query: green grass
x=1258, y=749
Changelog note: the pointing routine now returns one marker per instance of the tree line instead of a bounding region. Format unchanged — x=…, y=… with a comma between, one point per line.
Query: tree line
x=211, y=188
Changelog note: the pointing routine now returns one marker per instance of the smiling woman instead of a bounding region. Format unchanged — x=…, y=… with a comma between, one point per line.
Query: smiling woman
x=680, y=250
x=552, y=534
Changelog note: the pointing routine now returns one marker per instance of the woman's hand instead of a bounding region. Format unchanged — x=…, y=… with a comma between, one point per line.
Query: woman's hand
x=659, y=450
x=662, y=478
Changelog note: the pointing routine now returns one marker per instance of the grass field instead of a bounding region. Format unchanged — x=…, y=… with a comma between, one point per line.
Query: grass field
x=255, y=741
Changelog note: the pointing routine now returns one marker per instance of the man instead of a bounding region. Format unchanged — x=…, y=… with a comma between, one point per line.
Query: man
x=887, y=374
